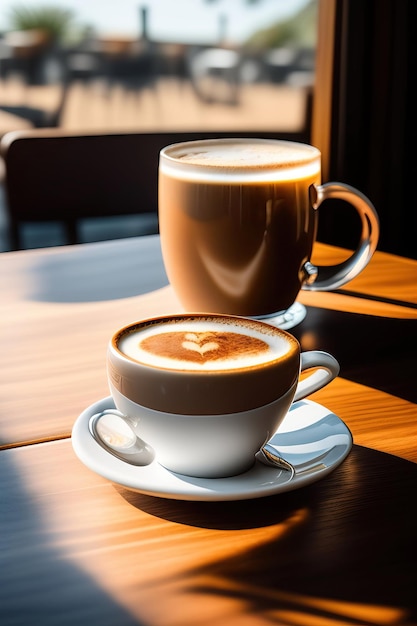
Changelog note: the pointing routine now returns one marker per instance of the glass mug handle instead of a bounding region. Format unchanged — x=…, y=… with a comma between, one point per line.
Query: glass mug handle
x=327, y=368
x=324, y=278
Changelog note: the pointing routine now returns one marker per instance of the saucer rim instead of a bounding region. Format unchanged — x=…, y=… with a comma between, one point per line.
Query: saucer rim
x=271, y=481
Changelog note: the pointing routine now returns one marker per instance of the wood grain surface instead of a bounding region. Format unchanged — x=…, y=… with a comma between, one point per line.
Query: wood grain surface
x=59, y=307
x=77, y=549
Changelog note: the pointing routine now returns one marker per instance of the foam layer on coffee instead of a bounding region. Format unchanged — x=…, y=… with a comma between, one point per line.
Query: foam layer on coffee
x=228, y=159
x=203, y=344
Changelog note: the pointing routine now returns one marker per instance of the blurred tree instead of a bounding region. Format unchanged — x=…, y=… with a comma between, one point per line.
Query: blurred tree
x=298, y=31
x=53, y=21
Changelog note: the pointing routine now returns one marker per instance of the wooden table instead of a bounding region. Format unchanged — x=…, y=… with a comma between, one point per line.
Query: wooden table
x=77, y=549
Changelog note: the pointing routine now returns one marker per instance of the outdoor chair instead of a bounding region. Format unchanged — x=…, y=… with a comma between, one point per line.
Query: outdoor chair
x=39, y=118
x=54, y=176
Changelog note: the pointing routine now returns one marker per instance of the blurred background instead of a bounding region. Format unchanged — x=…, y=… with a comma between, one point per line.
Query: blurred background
x=184, y=64
x=188, y=65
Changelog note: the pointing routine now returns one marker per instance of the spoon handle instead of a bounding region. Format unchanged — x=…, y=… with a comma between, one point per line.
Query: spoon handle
x=269, y=457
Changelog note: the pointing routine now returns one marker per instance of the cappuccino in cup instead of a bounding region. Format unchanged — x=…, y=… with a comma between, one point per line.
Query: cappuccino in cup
x=207, y=391
x=202, y=345
x=238, y=221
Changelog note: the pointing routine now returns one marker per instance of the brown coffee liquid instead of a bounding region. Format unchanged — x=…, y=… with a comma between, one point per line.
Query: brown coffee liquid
x=237, y=248
x=204, y=343
x=203, y=347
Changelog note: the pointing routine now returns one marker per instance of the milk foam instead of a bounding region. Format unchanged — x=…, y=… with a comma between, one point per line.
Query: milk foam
x=198, y=339
x=228, y=159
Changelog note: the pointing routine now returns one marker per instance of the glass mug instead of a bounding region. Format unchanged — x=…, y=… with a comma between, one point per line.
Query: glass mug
x=238, y=221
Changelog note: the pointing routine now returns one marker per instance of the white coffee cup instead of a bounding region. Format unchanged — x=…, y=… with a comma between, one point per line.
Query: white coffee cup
x=207, y=391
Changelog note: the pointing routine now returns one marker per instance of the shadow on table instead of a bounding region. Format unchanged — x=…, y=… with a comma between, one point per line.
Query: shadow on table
x=72, y=276
x=373, y=351
x=39, y=585
x=348, y=555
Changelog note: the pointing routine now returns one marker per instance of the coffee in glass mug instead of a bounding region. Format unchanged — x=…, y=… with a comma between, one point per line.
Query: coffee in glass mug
x=238, y=221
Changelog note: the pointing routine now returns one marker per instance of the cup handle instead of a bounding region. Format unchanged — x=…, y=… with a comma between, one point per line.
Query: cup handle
x=327, y=369
x=324, y=278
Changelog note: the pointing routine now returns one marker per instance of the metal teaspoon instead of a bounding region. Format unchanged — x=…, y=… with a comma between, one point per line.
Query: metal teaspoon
x=110, y=429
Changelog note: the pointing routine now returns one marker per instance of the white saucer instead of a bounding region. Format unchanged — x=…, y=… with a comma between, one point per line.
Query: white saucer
x=312, y=438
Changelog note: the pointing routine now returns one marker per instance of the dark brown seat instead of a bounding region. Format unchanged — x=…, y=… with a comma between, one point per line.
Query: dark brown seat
x=55, y=176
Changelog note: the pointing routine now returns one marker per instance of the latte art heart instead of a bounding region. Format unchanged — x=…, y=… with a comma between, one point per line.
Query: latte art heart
x=200, y=343
x=200, y=348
